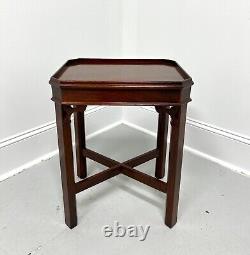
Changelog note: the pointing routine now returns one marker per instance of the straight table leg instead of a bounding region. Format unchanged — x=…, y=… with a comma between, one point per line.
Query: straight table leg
x=162, y=134
x=178, y=120
x=80, y=144
x=66, y=163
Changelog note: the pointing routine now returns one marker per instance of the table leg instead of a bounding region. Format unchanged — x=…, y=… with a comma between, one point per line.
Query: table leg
x=66, y=163
x=80, y=144
x=162, y=134
x=178, y=119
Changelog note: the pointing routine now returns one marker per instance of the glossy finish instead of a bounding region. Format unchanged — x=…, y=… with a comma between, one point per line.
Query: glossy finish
x=162, y=83
x=96, y=82
x=121, y=71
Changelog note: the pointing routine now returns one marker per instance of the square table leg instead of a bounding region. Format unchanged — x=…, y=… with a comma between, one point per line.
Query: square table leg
x=178, y=120
x=162, y=134
x=66, y=163
x=80, y=144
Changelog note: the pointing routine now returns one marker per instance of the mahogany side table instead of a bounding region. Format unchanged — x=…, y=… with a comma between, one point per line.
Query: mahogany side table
x=156, y=82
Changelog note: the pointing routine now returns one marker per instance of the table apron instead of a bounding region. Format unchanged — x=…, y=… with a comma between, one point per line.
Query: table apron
x=123, y=97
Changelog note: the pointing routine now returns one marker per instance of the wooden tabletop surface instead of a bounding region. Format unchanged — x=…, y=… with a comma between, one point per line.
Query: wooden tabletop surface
x=120, y=71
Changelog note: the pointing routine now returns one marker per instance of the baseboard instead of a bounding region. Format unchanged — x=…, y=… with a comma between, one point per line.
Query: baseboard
x=26, y=149
x=220, y=146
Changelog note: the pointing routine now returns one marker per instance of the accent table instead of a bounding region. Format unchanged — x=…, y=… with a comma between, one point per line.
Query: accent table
x=155, y=82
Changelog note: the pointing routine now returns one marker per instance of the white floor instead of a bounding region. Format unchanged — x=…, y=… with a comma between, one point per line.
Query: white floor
x=213, y=212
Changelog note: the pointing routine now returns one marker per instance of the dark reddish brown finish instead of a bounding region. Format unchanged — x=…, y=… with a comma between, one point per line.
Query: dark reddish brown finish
x=174, y=165
x=66, y=162
x=161, y=83
x=100, y=72
x=80, y=144
x=97, y=178
x=140, y=88
x=162, y=135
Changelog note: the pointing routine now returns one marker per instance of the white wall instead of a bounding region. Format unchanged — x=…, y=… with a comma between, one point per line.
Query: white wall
x=36, y=38
x=211, y=40
x=39, y=36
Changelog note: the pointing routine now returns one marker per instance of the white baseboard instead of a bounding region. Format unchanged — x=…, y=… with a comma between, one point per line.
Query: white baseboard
x=29, y=148
x=26, y=149
x=223, y=147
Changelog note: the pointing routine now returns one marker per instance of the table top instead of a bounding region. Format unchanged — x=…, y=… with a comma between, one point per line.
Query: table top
x=120, y=72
